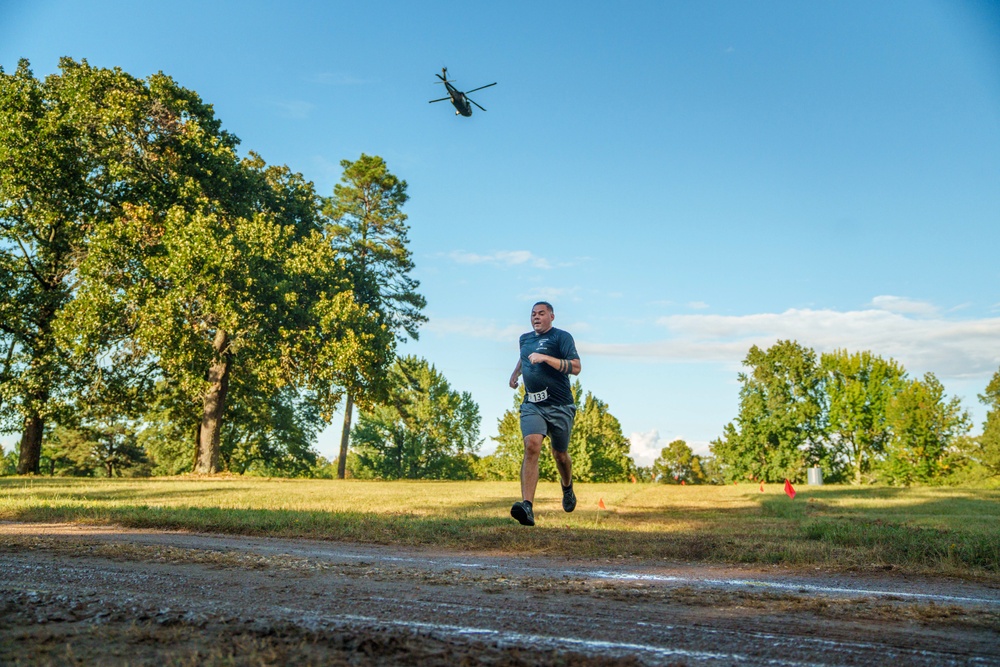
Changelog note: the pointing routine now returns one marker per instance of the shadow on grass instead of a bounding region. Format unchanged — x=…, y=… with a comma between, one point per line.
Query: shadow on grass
x=953, y=531
x=788, y=537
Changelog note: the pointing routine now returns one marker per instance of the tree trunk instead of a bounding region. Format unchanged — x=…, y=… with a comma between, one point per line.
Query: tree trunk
x=6, y=368
x=31, y=445
x=214, y=406
x=197, y=446
x=345, y=437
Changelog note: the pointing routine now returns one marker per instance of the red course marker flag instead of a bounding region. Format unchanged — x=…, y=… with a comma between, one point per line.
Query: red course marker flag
x=762, y=487
x=789, y=489
x=682, y=482
x=600, y=503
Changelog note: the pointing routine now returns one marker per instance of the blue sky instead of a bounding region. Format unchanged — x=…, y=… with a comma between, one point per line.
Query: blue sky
x=682, y=180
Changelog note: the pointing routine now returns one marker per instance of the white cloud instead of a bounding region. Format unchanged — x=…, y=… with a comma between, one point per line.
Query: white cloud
x=551, y=294
x=473, y=327
x=502, y=258
x=697, y=305
x=646, y=447
x=904, y=306
x=949, y=348
x=294, y=109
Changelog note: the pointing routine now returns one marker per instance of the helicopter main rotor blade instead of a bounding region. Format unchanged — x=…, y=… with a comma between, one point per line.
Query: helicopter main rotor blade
x=480, y=87
x=440, y=100
x=474, y=102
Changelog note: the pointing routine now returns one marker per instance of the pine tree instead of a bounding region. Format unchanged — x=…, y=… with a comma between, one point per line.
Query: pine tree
x=369, y=229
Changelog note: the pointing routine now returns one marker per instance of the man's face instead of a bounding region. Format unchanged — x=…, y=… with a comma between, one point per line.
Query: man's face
x=541, y=319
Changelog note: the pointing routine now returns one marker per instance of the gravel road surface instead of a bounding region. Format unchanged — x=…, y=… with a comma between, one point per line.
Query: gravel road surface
x=102, y=595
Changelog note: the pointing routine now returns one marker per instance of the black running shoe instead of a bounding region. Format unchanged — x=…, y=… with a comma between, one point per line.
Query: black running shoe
x=569, y=498
x=522, y=512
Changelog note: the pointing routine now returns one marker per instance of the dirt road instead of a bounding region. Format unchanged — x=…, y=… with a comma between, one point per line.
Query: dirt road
x=97, y=595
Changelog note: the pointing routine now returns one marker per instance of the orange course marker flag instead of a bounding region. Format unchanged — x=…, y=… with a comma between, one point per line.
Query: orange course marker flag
x=682, y=482
x=762, y=487
x=600, y=503
x=789, y=489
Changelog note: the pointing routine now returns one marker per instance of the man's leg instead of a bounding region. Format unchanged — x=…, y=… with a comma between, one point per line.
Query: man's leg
x=565, y=466
x=560, y=429
x=529, y=466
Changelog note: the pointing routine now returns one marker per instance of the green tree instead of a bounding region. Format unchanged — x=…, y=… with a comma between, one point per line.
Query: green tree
x=599, y=449
x=677, y=463
x=715, y=473
x=104, y=450
x=169, y=431
x=426, y=430
x=271, y=434
x=8, y=462
x=74, y=149
x=779, y=430
x=925, y=426
x=505, y=461
x=234, y=291
x=859, y=389
x=369, y=229
x=989, y=441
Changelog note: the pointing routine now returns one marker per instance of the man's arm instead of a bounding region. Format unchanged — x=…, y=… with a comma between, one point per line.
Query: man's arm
x=564, y=366
x=515, y=374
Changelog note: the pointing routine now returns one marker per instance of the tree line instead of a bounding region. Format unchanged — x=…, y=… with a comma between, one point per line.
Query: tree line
x=858, y=417
x=168, y=306
x=167, y=303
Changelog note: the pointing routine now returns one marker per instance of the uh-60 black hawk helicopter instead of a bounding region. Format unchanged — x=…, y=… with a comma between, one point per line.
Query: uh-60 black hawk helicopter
x=459, y=99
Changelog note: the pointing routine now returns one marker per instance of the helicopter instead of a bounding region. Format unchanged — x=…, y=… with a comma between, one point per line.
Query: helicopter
x=459, y=99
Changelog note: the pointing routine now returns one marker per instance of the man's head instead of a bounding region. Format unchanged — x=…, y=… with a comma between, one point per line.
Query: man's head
x=542, y=315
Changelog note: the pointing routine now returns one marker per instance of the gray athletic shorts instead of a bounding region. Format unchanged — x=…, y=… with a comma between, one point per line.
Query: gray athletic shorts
x=555, y=421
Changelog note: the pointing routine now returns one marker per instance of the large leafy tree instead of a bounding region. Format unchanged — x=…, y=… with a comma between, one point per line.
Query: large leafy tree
x=677, y=463
x=779, y=429
x=924, y=425
x=76, y=149
x=368, y=228
x=426, y=430
x=238, y=296
x=860, y=388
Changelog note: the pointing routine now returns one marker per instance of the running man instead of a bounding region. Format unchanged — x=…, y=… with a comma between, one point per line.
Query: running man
x=548, y=358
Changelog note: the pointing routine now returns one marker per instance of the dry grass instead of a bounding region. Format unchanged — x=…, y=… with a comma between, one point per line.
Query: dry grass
x=936, y=530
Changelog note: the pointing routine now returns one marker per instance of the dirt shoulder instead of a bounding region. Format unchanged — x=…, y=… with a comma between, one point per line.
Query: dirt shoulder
x=74, y=594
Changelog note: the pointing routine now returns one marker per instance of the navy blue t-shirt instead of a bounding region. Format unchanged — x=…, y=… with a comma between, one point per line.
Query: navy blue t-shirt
x=544, y=385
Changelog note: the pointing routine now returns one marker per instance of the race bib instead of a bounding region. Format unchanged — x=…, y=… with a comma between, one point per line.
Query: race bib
x=537, y=396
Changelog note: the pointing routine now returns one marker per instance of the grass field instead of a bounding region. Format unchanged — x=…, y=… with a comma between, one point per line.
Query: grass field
x=952, y=531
